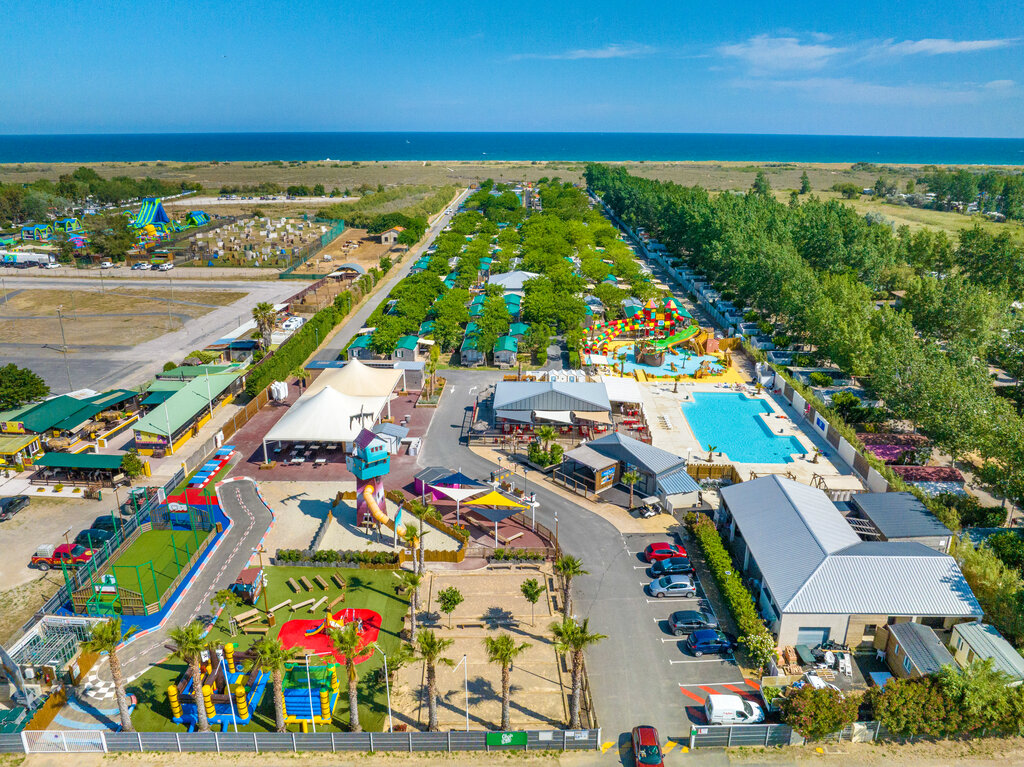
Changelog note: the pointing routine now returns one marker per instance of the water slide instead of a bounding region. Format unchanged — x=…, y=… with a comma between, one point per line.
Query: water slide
x=377, y=512
x=666, y=344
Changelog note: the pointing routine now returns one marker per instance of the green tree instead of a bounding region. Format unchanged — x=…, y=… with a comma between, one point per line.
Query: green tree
x=503, y=650
x=189, y=645
x=761, y=184
x=1009, y=547
x=631, y=477
x=409, y=585
x=431, y=648
x=805, y=183
x=545, y=434
x=348, y=642
x=106, y=638
x=448, y=599
x=568, y=567
x=817, y=713
x=264, y=315
x=532, y=592
x=847, y=190
x=19, y=386
x=572, y=639
x=979, y=692
x=760, y=649
x=272, y=657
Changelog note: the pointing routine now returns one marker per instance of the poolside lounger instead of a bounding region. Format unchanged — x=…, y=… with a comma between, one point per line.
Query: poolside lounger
x=319, y=581
x=299, y=605
x=305, y=583
x=806, y=656
x=316, y=605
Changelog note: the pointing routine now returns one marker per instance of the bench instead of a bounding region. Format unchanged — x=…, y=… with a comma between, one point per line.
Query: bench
x=338, y=580
x=319, y=581
x=469, y=624
x=316, y=605
x=305, y=583
x=247, y=621
x=277, y=607
x=339, y=598
x=513, y=537
x=255, y=630
x=246, y=615
x=300, y=605
x=293, y=585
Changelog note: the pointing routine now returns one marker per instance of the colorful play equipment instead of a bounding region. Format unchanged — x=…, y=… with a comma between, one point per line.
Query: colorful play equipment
x=196, y=218
x=310, y=695
x=654, y=319
x=329, y=623
x=312, y=634
x=229, y=694
x=37, y=232
x=369, y=462
x=150, y=214
x=67, y=225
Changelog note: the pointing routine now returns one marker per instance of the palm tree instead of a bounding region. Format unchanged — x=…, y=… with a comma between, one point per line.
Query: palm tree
x=409, y=585
x=301, y=376
x=545, y=434
x=675, y=389
x=348, y=643
x=568, y=567
x=435, y=356
x=430, y=648
x=273, y=657
x=504, y=650
x=189, y=647
x=573, y=638
x=106, y=637
x=221, y=599
x=711, y=451
x=263, y=315
x=413, y=538
x=532, y=590
x=631, y=478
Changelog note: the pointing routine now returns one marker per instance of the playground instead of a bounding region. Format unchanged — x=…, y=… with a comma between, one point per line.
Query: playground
x=367, y=592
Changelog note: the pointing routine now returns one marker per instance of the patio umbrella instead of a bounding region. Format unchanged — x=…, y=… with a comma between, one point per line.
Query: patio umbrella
x=495, y=507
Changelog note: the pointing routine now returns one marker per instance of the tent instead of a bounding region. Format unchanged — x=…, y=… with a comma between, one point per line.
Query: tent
x=458, y=487
x=325, y=416
x=494, y=507
x=358, y=380
x=151, y=213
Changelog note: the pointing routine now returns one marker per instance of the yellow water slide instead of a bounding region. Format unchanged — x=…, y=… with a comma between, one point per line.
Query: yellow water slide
x=378, y=514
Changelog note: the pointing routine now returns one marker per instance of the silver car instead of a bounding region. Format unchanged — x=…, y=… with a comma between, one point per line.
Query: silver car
x=673, y=586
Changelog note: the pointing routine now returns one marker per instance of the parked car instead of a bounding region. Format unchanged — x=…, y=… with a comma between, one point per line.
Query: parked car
x=166, y=266
x=708, y=640
x=293, y=323
x=673, y=586
x=732, y=709
x=647, y=747
x=688, y=621
x=106, y=264
x=69, y=554
x=12, y=505
x=93, y=538
x=106, y=522
x=141, y=266
x=51, y=265
x=662, y=550
x=671, y=566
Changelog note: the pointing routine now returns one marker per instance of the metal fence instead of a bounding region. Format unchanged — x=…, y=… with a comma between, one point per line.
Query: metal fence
x=724, y=736
x=98, y=741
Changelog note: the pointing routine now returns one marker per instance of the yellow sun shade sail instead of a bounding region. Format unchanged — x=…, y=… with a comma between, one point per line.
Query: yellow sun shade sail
x=494, y=498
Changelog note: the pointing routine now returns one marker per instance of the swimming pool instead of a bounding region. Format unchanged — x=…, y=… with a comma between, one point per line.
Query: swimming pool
x=733, y=423
x=685, y=363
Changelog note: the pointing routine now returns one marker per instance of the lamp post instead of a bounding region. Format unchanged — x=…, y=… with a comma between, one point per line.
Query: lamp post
x=465, y=671
x=271, y=621
x=309, y=689
x=387, y=686
x=63, y=345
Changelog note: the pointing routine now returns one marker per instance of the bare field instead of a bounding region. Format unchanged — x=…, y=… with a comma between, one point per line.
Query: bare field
x=355, y=246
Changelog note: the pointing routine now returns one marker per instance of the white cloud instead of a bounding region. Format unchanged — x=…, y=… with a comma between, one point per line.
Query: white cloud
x=935, y=46
x=764, y=53
x=844, y=90
x=610, y=51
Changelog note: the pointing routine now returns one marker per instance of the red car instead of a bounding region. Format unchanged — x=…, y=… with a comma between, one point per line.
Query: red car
x=658, y=551
x=647, y=747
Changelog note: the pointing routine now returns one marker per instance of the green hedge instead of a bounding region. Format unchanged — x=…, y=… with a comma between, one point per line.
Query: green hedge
x=730, y=584
x=337, y=556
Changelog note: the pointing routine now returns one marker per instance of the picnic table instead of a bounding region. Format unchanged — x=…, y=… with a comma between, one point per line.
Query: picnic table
x=319, y=461
x=298, y=459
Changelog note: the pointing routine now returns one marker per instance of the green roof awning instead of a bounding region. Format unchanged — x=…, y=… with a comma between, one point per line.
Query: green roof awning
x=186, y=404
x=79, y=461
x=159, y=396
x=407, y=342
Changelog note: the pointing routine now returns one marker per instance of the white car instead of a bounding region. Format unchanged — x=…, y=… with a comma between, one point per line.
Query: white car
x=731, y=709
x=51, y=265
x=106, y=265
x=293, y=323
x=166, y=266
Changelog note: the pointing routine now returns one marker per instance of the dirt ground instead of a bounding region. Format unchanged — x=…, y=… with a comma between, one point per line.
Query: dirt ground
x=106, y=317
x=354, y=246
x=490, y=597
x=21, y=602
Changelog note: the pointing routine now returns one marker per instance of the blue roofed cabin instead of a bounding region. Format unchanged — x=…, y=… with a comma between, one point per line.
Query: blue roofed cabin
x=369, y=457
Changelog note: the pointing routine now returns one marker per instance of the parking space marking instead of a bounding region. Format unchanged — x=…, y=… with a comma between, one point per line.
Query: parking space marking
x=689, y=694
x=606, y=745
x=669, y=745
x=703, y=660
x=673, y=639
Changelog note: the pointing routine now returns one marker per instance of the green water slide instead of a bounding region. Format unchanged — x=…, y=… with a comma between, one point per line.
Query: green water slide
x=667, y=343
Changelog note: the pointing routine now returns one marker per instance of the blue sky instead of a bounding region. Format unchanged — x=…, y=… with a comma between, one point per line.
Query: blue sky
x=895, y=68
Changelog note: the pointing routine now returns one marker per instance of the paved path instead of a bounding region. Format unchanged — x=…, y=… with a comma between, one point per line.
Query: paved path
x=250, y=519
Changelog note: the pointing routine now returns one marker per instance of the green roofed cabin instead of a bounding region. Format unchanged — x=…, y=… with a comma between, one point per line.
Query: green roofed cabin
x=406, y=350
x=360, y=349
x=181, y=415
x=65, y=415
x=470, y=354
x=518, y=330
x=90, y=469
x=505, y=350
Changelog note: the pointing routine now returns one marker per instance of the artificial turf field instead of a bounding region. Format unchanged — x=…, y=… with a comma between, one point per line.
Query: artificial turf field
x=371, y=589
x=166, y=550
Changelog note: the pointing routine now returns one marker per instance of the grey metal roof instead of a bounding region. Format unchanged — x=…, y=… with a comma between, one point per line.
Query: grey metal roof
x=550, y=395
x=511, y=280
x=590, y=458
x=987, y=642
x=432, y=474
x=899, y=515
x=392, y=430
x=790, y=529
x=920, y=644
x=903, y=578
x=677, y=482
x=649, y=458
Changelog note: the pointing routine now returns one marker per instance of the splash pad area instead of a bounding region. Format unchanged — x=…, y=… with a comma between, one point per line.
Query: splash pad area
x=303, y=633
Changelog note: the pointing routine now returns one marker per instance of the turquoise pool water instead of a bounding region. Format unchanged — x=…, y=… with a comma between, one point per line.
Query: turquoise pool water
x=733, y=423
x=686, y=363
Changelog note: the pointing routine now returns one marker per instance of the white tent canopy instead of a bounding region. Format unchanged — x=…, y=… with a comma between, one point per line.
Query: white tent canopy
x=358, y=380
x=326, y=416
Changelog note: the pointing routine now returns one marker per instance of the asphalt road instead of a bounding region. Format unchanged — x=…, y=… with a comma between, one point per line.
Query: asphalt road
x=333, y=348
x=639, y=674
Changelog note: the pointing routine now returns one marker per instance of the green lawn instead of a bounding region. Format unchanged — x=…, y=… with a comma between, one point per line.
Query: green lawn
x=372, y=589
x=167, y=550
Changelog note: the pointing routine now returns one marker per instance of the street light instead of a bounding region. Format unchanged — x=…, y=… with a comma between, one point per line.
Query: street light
x=64, y=346
x=309, y=689
x=271, y=621
x=465, y=672
x=387, y=686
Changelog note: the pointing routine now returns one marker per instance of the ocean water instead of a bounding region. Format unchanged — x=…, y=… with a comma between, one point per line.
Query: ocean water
x=396, y=146
x=732, y=422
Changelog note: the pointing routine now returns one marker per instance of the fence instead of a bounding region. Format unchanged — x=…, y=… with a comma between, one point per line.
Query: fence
x=300, y=256
x=777, y=735
x=100, y=742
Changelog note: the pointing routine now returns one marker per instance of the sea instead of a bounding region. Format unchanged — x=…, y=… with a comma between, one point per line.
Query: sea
x=530, y=147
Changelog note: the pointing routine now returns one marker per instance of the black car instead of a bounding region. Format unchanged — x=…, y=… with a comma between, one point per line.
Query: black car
x=671, y=566
x=93, y=538
x=708, y=640
x=11, y=506
x=688, y=621
x=106, y=522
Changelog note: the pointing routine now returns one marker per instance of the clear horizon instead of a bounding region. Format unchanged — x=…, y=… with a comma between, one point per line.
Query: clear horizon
x=920, y=70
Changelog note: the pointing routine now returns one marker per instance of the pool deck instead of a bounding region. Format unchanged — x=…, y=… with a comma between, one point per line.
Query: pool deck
x=662, y=402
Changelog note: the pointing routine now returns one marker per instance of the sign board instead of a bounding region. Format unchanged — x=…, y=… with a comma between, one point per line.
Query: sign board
x=576, y=734
x=12, y=427
x=161, y=496
x=177, y=507
x=506, y=739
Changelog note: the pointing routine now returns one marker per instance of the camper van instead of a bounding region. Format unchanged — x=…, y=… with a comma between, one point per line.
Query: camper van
x=732, y=709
